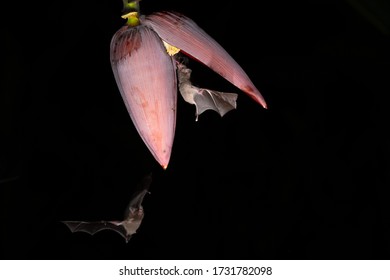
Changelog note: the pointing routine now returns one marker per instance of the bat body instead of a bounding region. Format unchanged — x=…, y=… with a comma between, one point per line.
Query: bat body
x=132, y=218
x=204, y=99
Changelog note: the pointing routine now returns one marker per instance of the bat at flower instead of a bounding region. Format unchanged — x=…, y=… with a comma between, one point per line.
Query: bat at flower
x=143, y=59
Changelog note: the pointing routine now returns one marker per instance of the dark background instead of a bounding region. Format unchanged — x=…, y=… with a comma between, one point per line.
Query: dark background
x=306, y=179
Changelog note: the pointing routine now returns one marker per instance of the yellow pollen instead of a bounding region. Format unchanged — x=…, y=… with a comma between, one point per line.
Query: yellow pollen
x=171, y=50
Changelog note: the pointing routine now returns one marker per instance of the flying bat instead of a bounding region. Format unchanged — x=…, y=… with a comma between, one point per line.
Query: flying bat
x=203, y=98
x=132, y=218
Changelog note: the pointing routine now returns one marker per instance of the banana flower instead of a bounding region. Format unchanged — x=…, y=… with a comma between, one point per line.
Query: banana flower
x=144, y=60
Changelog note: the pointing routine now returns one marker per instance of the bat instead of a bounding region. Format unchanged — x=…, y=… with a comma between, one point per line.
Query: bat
x=204, y=99
x=145, y=70
x=132, y=219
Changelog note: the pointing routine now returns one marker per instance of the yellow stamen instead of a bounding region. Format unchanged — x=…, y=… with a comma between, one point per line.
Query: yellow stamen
x=171, y=50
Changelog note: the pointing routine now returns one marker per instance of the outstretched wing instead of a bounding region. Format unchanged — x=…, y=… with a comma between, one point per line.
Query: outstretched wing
x=126, y=228
x=221, y=102
x=94, y=227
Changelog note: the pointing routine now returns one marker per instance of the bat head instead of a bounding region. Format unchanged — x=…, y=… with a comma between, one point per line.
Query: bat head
x=185, y=73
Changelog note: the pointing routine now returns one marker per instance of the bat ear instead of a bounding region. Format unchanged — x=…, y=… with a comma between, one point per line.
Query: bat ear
x=183, y=33
x=146, y=78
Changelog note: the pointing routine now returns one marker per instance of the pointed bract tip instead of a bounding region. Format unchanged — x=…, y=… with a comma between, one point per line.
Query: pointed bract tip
x=162, y=157
x=260, y=100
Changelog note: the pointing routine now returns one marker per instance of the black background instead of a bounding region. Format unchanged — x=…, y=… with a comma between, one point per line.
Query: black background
x=306, y=179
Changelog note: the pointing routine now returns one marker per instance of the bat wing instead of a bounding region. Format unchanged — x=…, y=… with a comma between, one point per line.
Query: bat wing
x=221, y=102
x=94, y=227
x=126, y=228
x=203, y=99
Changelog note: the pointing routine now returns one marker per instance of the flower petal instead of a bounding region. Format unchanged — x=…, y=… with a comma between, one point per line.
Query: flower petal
x=146, y=77
x=183, y=33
